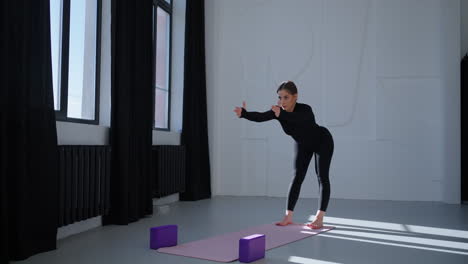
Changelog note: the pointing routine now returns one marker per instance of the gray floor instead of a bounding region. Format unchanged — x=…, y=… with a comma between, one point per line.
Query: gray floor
x=367, y=232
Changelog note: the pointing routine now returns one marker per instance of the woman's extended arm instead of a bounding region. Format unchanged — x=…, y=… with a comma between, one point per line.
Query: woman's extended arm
x=258, y=116
x=253, y=116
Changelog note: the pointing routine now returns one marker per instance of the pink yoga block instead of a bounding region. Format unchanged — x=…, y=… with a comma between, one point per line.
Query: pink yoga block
x=252, y=248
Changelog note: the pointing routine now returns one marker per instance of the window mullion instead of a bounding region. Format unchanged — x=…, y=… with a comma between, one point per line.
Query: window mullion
x=97, y=85
x=65, y=59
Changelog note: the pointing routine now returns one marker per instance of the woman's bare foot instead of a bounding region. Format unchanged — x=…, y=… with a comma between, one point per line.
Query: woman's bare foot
x=318, y=222
x=287, y=220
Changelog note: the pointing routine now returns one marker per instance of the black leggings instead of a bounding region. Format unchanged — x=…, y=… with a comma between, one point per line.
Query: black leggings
x=323, y=156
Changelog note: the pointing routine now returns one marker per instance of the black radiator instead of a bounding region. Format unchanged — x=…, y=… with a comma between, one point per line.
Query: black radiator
x=168, y=168
x=84, y=173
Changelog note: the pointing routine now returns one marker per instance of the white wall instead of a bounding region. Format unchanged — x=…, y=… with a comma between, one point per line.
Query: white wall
x=450, y=81
x=464, y=26
x=379, y=74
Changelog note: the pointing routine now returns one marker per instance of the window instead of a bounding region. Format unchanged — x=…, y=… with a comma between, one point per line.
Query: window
x=162, y=12
x=75, y=47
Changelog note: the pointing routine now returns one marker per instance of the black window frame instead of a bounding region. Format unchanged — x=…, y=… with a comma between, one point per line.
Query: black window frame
x=167, y=7
x=61, y=114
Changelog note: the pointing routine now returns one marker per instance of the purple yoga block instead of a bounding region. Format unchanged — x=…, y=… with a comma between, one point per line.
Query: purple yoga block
x=252, y=248
x=163, y=236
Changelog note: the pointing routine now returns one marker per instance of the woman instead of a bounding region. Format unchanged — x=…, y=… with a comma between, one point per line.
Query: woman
x=298, y=121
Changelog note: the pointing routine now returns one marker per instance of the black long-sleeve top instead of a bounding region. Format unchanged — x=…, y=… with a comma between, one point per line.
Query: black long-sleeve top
x=299, y=124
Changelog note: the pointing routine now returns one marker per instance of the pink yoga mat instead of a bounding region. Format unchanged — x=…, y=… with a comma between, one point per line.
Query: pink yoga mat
x=225, y=247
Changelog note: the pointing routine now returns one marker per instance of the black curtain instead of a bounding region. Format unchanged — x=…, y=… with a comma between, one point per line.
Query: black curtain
x=28, y=143
x=132, y=111
x=195, y=125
